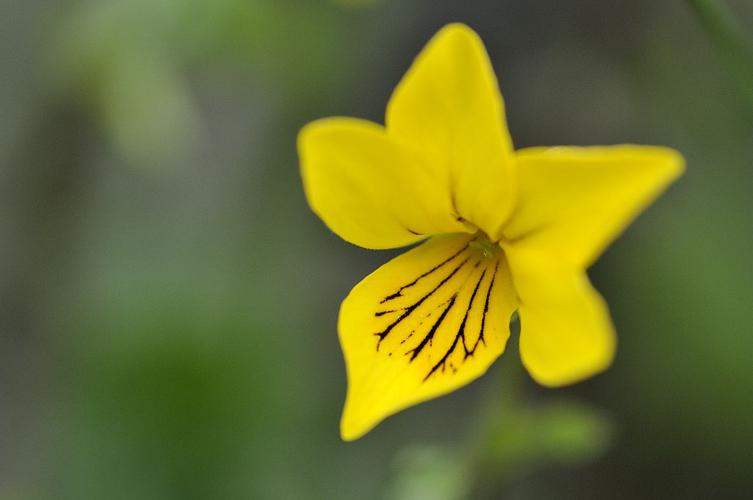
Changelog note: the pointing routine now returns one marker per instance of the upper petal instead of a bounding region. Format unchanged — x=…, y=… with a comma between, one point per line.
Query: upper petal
x=449, y=105
x=369, y=188
x=566, y=333
x=424, y=324
x=574, y=201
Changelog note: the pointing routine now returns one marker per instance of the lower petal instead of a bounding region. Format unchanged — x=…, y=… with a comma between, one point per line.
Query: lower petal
x=566, y=333
x=422, y=325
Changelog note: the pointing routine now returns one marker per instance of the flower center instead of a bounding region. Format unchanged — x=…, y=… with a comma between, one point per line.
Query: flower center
x=485, y=245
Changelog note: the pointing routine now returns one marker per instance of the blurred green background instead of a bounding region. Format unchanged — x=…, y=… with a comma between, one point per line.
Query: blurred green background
x=168, y=302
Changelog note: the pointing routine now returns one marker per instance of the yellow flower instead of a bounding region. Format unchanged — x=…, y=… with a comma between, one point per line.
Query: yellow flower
x=507, y=230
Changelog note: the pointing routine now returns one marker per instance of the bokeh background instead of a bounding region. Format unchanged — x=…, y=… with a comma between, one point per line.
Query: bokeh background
x=168, y=302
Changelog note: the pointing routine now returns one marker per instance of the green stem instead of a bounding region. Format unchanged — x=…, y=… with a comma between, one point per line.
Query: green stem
x=732, y=46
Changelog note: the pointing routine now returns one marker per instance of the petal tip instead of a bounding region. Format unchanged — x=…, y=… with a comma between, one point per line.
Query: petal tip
x=559, y=380
x=351, y=428
x=309, y=130
x=457, y=29
x=333, y=125
x=553, y=379
x=350, y=433
x=672, y=161
x=461, y=36
x=676, y=161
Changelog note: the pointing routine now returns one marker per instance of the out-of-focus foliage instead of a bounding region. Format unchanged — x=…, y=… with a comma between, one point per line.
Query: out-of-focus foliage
x=510, y=439
x=129, y=60
x=168, y=303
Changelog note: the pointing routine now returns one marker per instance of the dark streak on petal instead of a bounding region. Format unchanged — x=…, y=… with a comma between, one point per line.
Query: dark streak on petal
x=429, y=336
x=399, y=292
x=486, y=309
x=383, y=334
x=407, y=338
x=460, y=335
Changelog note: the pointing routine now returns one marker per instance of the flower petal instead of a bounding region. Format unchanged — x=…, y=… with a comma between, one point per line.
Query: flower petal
x=575, y=201
x=566, y=333
x=370, y=189
x=448, y=104
x=422, y=325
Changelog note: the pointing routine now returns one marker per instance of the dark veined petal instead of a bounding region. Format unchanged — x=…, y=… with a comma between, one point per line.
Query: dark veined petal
x=422, y=325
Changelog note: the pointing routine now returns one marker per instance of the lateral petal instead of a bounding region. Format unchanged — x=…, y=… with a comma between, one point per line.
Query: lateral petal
x=576, y=200
x=566, y=333
x=369, y=188
x=424, y=324
x=448, y=104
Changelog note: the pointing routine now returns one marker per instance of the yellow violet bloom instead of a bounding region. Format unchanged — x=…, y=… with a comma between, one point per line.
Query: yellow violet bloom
x=504, y=230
